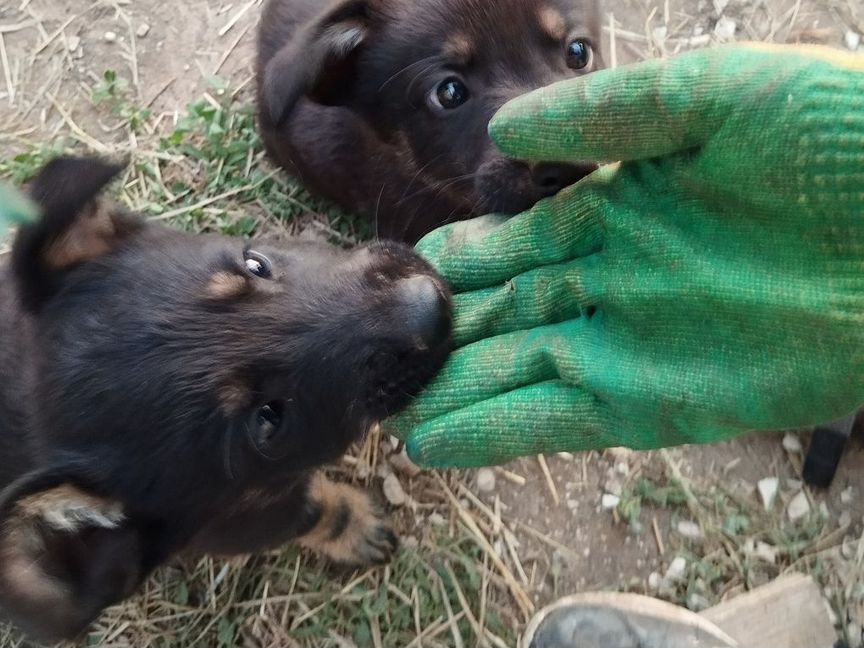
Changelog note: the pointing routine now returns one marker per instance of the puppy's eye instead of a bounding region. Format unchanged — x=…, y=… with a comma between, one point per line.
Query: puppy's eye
x=266, y=424
x=449, y=94
x=259, y=265
x=578, y=54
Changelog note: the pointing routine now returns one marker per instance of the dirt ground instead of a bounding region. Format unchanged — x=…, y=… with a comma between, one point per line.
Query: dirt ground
x=54, y=53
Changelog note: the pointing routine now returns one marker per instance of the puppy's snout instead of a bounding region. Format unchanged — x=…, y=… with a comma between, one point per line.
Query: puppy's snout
x=552, y=177
x=426, y=311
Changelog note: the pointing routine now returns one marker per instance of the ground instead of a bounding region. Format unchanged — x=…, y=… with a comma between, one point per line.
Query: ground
x=170, y=85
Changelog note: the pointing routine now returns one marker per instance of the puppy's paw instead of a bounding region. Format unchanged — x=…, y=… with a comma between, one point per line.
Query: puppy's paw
x=351, y=530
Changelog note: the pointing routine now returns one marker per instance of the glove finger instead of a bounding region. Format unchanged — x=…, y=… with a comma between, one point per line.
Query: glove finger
x=479, y=254
x=499, y=365
x=546, y=417
x=546, y=295
x=641, y=111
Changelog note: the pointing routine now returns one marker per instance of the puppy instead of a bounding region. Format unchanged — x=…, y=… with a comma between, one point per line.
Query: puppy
x=164, y=392
x=382, y=105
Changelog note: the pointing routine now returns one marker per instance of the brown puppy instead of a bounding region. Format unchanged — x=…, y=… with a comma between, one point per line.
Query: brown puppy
x=162, y=392
x=383, y=105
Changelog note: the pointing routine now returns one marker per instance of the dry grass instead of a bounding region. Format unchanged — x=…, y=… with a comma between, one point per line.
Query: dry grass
x=465, y=576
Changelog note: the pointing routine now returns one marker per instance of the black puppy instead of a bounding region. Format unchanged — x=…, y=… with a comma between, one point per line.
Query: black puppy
x=383, y=105
x=162, y=392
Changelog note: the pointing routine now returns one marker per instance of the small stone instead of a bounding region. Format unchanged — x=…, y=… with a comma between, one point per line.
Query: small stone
x=486, y=480
x=768, y=488
x=766, y=552
x=393, y=491
x=719, y=6
x=586, y=552
x=110, y=37
x=614, y=486
x=619, y=454
x=409, y=542
x=72, y=43
x=791, y=442
x=725, y=29
x=436, y=519
x=655, y=580
x=566, y=456
x=794, y=485
x=676, y=569
x=798, y=507
x=689, y=530
x=852, y=40
x=572, y=504
x=609, y=501
x=404, y=465
x=143, y=30
x=846, y=495
x=622, y=468
x=659, y=34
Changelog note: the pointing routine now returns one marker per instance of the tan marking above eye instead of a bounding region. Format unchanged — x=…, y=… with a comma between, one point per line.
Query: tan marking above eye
x=226, y=285
x=458, y=48
x=234, y=397
x=553, y=23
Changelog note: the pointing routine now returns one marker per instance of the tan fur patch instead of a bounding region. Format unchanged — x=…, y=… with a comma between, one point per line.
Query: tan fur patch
x=226, y=285
x=92, y=235
x=553, y=23
x=459, y=48
x=366, y=537
x=66, y=508
x=234, y=396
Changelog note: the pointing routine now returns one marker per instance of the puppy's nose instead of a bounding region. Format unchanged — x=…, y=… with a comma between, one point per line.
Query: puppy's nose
x=552, y=177
x=425, y=310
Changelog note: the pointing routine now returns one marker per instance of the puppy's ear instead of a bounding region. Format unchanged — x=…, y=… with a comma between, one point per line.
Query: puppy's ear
x=65, y=554
x=319, y=62
x=75, y=226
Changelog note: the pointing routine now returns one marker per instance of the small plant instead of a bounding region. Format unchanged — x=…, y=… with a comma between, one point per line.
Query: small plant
x=113, y=91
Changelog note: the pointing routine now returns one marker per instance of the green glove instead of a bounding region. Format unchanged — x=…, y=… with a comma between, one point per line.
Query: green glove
x=711, y=284
x=14, y=209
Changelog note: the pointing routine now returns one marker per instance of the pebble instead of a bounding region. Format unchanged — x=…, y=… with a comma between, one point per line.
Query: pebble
x=110, y=37
x=436, y=519
x=725, y=29
x=676, y=568
x=614, y=486
x=404, y=465
x=720, y=5
x=846, y=495
x=72, y=43
x=766, y=552
x=486, y=480
x=697, y=602
x=655, y=580
x=609, y=501
x=410, y=542
x=791, y=442
x=620, y=454
x=798, y=507
x=393, y=490
x=572, y=504
x=794, y=484
x=143, y=30
x=852, y=40
x=622, y=468
x=689, y=530
x=768, y=488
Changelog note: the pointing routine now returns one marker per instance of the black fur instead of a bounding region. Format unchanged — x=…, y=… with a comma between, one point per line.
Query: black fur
x=124, y=375
x=344, y=89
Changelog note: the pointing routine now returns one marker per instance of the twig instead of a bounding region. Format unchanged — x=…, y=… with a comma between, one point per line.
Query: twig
x=236, y=17
x=549, y=481
x=7, y=71
x=86, y=138
x=445, y=598
x=657, y=537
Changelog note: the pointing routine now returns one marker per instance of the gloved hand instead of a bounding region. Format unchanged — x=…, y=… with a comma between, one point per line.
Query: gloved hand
x=711, y=284
x=14, y=209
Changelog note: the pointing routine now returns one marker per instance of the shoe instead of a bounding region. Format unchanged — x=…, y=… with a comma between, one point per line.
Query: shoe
x=618, y=620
